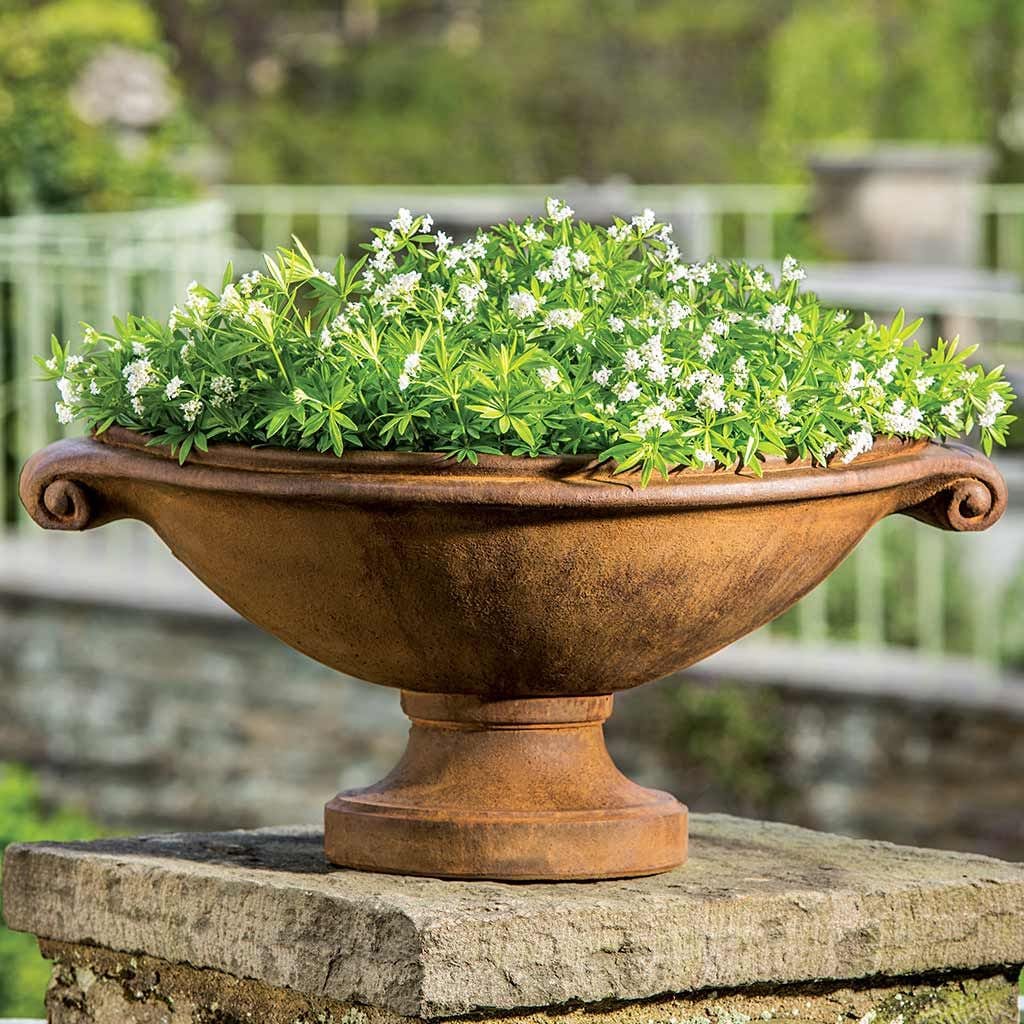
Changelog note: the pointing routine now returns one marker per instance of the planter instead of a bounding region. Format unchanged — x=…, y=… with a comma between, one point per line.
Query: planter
x=508, y=602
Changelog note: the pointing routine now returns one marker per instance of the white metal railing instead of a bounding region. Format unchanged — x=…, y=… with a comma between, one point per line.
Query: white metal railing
x=709, y=219
x=59, y=270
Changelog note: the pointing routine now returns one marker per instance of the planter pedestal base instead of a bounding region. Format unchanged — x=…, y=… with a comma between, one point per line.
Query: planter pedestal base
x=514, y=790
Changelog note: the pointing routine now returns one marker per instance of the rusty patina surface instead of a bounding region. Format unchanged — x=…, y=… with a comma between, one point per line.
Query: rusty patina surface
x=515, y=581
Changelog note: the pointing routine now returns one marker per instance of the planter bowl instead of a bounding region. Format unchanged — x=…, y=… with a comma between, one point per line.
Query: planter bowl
x=507, y=601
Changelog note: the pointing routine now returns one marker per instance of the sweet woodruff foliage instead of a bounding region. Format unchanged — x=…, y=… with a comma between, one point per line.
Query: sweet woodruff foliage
x=550, y=336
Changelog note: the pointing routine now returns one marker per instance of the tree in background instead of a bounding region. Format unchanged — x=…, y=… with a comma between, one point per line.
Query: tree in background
x=462, y=91
x=90, y=117
x=23, y=972
x=921, y=70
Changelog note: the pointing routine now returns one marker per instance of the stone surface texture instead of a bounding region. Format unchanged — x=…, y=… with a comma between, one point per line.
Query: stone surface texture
x=95, y=986
x=758, y=904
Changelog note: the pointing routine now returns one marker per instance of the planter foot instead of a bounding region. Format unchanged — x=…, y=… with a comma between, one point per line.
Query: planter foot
x=509, y=790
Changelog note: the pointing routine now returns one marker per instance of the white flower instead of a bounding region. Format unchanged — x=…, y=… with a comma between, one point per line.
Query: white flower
x=794, y=324
x=791, y=270
x=632, y=360
x=229, y=299
x=783, y=406
x=442, y=241
x=411, y=366
x=706, y=346
x=775, y=321
x=712, y=397
x=858, y=442
x=829, y=448
x=653, y=418
x=137, y=405
x=137, y=375
x=73, y=361
x=704, y=457
x=522, y=304
x=580, y=260
x=718, y=326
x=549, y=377
x=740, y=372
x=533, y=233
x=249, y=281
x=476, y=248
x=449, y=313
x=559, y=268
x=94, y=387
x=65, y=414
x=196, y=300
x=901, y=420
x=602, y=376
x=952, y=410
x=565, y=318
x=173, y=389
x=887, y=370
x=224, y=390
x=923, y=383
x=257, y=310
x=559, y=211
x=676, y=313
x=403, y=381
x=69, y=393
x=698, y=272
x=326, y=276
x=191, y=410
x=403, y=222
x=138, y=348
x=628, y=392
x=643, y=222
x=470, y=296
x=51, y=364
x=995, y=405
x=616, y=324
x=760, y=281
x=399, y=288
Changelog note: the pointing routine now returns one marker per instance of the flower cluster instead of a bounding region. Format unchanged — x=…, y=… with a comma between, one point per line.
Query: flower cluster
x=550, y=336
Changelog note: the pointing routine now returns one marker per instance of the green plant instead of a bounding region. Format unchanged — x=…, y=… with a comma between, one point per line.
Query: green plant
x=549, y=336
x=23, y=972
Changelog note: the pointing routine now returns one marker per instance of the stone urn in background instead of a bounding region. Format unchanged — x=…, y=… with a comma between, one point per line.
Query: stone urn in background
x=508, y=602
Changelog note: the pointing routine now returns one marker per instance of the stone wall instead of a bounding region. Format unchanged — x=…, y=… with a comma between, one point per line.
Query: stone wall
x=160, y=723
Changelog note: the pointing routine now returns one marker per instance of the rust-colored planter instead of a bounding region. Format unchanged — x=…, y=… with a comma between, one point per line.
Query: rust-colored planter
x=508, y=602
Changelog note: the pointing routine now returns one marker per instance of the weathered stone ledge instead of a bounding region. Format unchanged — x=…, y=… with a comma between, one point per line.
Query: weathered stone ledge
x=97, y=986
x=760, y=908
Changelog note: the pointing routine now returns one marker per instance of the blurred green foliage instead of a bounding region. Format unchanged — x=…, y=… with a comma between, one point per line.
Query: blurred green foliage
x=903, y=69
x=409, y=90
x=462, y=91
x=728, y=741
x=469, y=91
x=50, y=156
x=24, y=974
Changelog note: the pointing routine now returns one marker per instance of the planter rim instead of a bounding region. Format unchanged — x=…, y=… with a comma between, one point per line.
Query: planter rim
x=577, y=484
